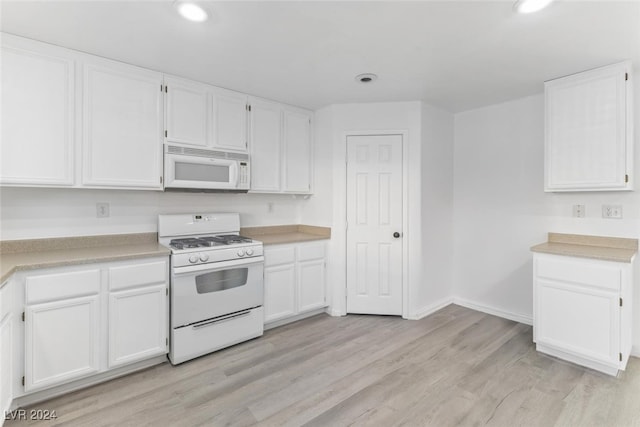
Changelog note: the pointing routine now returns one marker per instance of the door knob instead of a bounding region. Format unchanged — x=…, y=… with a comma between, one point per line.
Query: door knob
x=396, y=234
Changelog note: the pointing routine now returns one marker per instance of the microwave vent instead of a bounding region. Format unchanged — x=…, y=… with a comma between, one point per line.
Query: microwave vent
x=172, y=149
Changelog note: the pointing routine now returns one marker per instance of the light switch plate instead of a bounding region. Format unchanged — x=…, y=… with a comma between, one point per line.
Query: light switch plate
x=579, y=211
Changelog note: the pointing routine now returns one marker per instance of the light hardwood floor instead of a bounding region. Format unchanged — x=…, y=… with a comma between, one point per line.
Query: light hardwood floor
x=455, y=367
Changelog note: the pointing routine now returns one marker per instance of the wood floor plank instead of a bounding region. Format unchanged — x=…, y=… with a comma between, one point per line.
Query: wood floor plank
x=455, y=367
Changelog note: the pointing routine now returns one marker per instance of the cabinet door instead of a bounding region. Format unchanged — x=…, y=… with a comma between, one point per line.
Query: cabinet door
x=588, y=140
x=6, y=363
x=37, y=132
x=297, y=151
x=122, y=126
x=581, y=320
x=230, y=120
x=311, y=285
x=138, y=324
x=266, y=137
x=62, y=341
x=187, y=109
x=279, y=292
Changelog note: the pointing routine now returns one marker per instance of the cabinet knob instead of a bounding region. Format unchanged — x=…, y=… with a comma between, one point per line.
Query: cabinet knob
x=396, y=234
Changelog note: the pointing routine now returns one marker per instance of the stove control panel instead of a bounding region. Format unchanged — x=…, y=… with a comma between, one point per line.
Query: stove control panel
x=217, y=255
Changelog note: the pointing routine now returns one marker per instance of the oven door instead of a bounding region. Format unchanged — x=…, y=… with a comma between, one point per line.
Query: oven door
x=200, y=172
x=202, y=292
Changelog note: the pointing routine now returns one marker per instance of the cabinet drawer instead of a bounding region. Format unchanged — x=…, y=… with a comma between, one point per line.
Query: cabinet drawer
x=128, y=276
x=578, y=271
x=277, y=256
x=50, y=287
x=313, y=251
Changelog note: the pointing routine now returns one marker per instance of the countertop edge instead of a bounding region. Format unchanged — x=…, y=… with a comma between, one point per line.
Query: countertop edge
x=601, y=253
x=37, y=264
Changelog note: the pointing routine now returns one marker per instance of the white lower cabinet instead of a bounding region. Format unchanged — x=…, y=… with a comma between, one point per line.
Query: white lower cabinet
x=82, y=321
x=582, y=310
x=138, y=324
x=6, y=347
x=62, y=341
x=293, y=280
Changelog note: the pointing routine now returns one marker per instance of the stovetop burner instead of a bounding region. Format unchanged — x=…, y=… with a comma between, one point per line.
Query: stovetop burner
x=208, y=241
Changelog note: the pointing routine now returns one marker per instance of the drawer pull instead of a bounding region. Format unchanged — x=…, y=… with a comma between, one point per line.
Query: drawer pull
x=221, y=319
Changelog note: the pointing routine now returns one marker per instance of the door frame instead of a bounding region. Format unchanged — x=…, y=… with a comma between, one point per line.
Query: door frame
x=404, y=134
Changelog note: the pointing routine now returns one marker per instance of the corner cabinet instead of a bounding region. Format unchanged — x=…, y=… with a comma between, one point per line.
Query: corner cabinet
x=281, y=148
x=294, y=281
x=588, y=131
x=583, y=310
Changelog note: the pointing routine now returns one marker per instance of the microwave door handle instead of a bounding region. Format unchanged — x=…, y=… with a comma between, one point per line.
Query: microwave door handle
x=235, y=174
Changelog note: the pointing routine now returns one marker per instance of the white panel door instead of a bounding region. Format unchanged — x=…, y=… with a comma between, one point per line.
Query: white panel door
x=279, y=292
x=230, y=120
x=62, y=341
x=297, y=151
x=311, y=285
x=266, y=137
x=586, y=130
x=187, y=112
x=374, y=215
x=122, y=126
x=38, y=114
x=138, y=324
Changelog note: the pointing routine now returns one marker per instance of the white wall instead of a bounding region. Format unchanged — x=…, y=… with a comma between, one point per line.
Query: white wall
x=437, y=210
x=500, y=209
x=45, y=212
x=332, y=125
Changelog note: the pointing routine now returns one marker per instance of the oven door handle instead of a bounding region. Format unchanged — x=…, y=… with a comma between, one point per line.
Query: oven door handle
x=216, y=266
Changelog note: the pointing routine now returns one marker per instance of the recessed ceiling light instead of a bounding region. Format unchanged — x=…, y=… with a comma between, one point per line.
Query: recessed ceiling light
x=191, y=11
x=529, y=6
x=366, y=78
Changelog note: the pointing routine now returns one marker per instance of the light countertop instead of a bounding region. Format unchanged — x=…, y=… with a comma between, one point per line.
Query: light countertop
x=595, y=247
x=280, y=234
x=20, y=255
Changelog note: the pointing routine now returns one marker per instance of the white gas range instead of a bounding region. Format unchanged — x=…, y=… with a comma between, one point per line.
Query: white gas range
x=216, y=287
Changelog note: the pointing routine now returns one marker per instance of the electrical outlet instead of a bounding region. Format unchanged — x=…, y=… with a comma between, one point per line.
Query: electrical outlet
x=612, y=211
x=579, y=211
x=270, y=207
x=102, y=210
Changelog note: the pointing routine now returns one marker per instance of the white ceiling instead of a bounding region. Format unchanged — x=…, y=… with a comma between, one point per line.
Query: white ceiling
x=457, y=55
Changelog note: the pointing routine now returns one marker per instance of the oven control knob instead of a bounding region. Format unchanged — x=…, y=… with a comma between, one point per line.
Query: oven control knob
x=249, y=252
x=241, y=253
x=193, y=259
x=204, y=257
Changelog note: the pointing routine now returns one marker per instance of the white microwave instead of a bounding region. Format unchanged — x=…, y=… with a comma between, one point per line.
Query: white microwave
x=197, y=169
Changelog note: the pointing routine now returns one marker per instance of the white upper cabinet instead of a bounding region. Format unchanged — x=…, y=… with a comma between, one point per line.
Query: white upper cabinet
x=297, y=151
x=38, y=105
x=230, y=120
x=205, y=116
x=121, y=125
x=588, y=136
x=266, y=137
x=187, y=112
x=281, y=156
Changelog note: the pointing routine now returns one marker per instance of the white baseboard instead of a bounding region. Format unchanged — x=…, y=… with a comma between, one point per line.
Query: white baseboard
x=431, y=308
x=527, y=320
x=635, y=351
x=335, y=313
